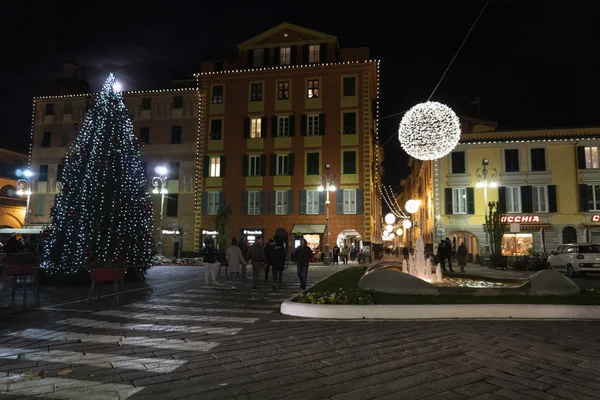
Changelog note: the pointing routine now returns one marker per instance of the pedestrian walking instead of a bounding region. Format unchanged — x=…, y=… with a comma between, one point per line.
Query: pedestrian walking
x=344, y=254
x=405, y=253
x=462, y=254
x=209, y=258
x=268, y=250
x=278, y=256
x=336, y=254
x=243, y=244
x=258, y=260
x=449, y=253
x=303, y=256
x=234, y=257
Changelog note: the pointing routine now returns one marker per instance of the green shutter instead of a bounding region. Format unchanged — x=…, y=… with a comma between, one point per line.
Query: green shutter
x=246, y=128
x=321, y=124
x=322, y=203
x=40, y=203
x=470, y=200
x=272, y=197
x=262, y=203
x=263, y=127
x=274, y=126
x=273, y=166
x=245, y=203
x=276, y=55
x=359, y=201
x=303, y=125
x=292, y=125
x=290, y=200
x=223, y=165
x=339, y=201
x=245, y=162
x=263, y=165
x=291, y=164
x=204, y=205
x=552, y=203
x=221, y=200
x=448, y=201
x=302, y=202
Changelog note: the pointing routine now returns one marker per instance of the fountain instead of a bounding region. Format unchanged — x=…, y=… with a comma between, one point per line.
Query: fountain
x=420, y=266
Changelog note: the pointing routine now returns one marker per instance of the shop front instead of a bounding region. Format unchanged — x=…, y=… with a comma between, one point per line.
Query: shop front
x=177, y=235
x=313, y=234
x=592, y=229
x=526, y=235
x=208, y=235
x=251, y=234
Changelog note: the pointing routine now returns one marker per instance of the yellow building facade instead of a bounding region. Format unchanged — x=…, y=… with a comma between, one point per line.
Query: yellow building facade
x=548, y=181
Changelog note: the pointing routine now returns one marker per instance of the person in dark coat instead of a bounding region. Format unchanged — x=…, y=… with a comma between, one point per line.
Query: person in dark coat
x=269, y=263
x=405, y=253
x=336, y=254
x=209, y=259
x=441, y=255
x=12, y=244
x=245, y=253
x=303, y=256
x=449, y=253
x=278, y=256
x=462, y=254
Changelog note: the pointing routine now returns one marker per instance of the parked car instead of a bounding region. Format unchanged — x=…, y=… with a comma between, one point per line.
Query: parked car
x=576, y=259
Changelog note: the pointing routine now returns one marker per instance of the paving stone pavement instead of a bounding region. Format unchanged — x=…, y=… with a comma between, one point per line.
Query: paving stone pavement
x=191, y=340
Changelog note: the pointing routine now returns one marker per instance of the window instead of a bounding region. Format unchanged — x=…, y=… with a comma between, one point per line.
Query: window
x=254, y=203
x=217, y=94
x=283, y=90
x=43, y=174
x=254, y=166
x=145, y=135
x=511, y=160
x=47, y=139
x=177, y=101
x=282, y=164
x=314, y=53
x=312, y=201
x=64, y=138
x=569, y=235
x=349, y=123
x=312, y=128
x=349, y=86
x=216, y=129
x=458, y=162
x=212, y=206
x=174, y=171
x=283, y=126
x=591, y=157
x=538, y=159
x=593, y=196
x=540, y=198
x=68, y=108
x=146, y=103
x=312, y=164
x=281, y=202
x=285, y=56
x=218, y=66
x=258, y=57
x=175, y=134
x=59, y=171
x=459, y=201
x=312, y=89
x=350, y=201
x=255, y=128
x=256, y=92
x=50, y=109
x=172, y=204
x=513, y=199
x=215, y=167
x=350, y=162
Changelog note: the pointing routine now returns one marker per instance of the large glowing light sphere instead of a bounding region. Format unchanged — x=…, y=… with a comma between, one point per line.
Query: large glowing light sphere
x=412, y=206
x=391, y=236
x=429, y=131
x=390, y=218
x=399, y=232
x=389, y=228
x=406, y=224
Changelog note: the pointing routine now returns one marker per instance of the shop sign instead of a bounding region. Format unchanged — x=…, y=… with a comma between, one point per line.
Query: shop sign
x=520, y=218
x=595, y=218
x=205, y=232
x=252, y=231
x=171, y=232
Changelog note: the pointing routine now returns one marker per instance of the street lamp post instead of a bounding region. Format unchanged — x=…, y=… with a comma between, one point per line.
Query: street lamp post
x=160, y=181
x=412, y=206
x=482, y=182
x=329, y=186
x=24, y=185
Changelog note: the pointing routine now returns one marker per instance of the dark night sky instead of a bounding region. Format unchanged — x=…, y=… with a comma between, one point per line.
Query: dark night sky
x=533, y=63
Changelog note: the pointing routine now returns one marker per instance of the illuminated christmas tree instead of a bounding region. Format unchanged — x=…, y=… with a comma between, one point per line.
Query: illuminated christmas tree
x=103, y=213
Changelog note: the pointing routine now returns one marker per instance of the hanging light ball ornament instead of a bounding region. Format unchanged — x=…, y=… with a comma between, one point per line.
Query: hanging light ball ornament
x=391, y=236
x=399, y=232
x=429, y=131
x=412, y=206
x=390, y=218
x=389, y=228
x=406, y=224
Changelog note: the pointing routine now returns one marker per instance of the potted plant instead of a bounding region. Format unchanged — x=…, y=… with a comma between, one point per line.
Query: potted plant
x=105, y=271
x=20, y=264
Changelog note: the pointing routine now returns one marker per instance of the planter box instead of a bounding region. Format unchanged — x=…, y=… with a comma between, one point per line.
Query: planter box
x=107, y=274
x=20, y=270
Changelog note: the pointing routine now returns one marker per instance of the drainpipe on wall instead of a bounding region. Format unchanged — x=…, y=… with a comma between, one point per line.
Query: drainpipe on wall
x=582, y=230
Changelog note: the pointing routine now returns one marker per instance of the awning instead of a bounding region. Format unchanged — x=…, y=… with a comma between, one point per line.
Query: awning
x=308, y=229
x=530, y=227
x=21, y=231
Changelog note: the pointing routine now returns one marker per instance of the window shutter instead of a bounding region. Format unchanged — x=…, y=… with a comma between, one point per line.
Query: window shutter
x=552, y=203
x=250, y=58
x=262, y=203
x=204, y=205
x=266, y=57
x=526, y=199
x=448, y=198
x=245, y=162
x=305, y=54
x=303, y=125
x=290, y=202
x=273, y=165
x=292, y=125
x=245, y=203
x=293, y=54
x=246, y=128
x=291, y=164
x=323, y=52
x=272, y=198
x=359, y=201
x=206, y=166
x=583, y=198
x=580, y=157
x=263, y=165
x=222, y=165
x=263, y=127
x=501, y=198
x=276, y=55
x=322, y=203
x=302, y=202
x=221, y=200
x=339, y=201
x=321, y=124
x=274, y=126
x=470, y=200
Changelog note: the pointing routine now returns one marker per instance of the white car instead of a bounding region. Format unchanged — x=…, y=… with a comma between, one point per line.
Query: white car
x=576, y=258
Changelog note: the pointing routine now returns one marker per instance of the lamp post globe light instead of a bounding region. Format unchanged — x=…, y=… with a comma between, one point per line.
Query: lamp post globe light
x=160, y=186
x=482, y=182
x=24, y=189
x=411, y=206
x=327, y=185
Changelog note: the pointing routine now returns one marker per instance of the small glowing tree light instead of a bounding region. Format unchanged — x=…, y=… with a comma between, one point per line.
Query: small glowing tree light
x=390, y=219
x=429, y=131
x=389, y=228
x=406, y=224
x=399, y=232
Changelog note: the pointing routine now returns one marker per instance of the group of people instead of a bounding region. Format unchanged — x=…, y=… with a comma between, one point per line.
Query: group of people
x=343, y=253
x=446, y=252
x=271, y=257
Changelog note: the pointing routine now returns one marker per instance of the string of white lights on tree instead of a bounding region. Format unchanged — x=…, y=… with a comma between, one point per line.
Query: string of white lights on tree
x=103, y=212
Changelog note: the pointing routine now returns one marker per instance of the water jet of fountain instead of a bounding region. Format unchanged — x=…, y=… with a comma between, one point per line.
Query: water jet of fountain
x=420, y=266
